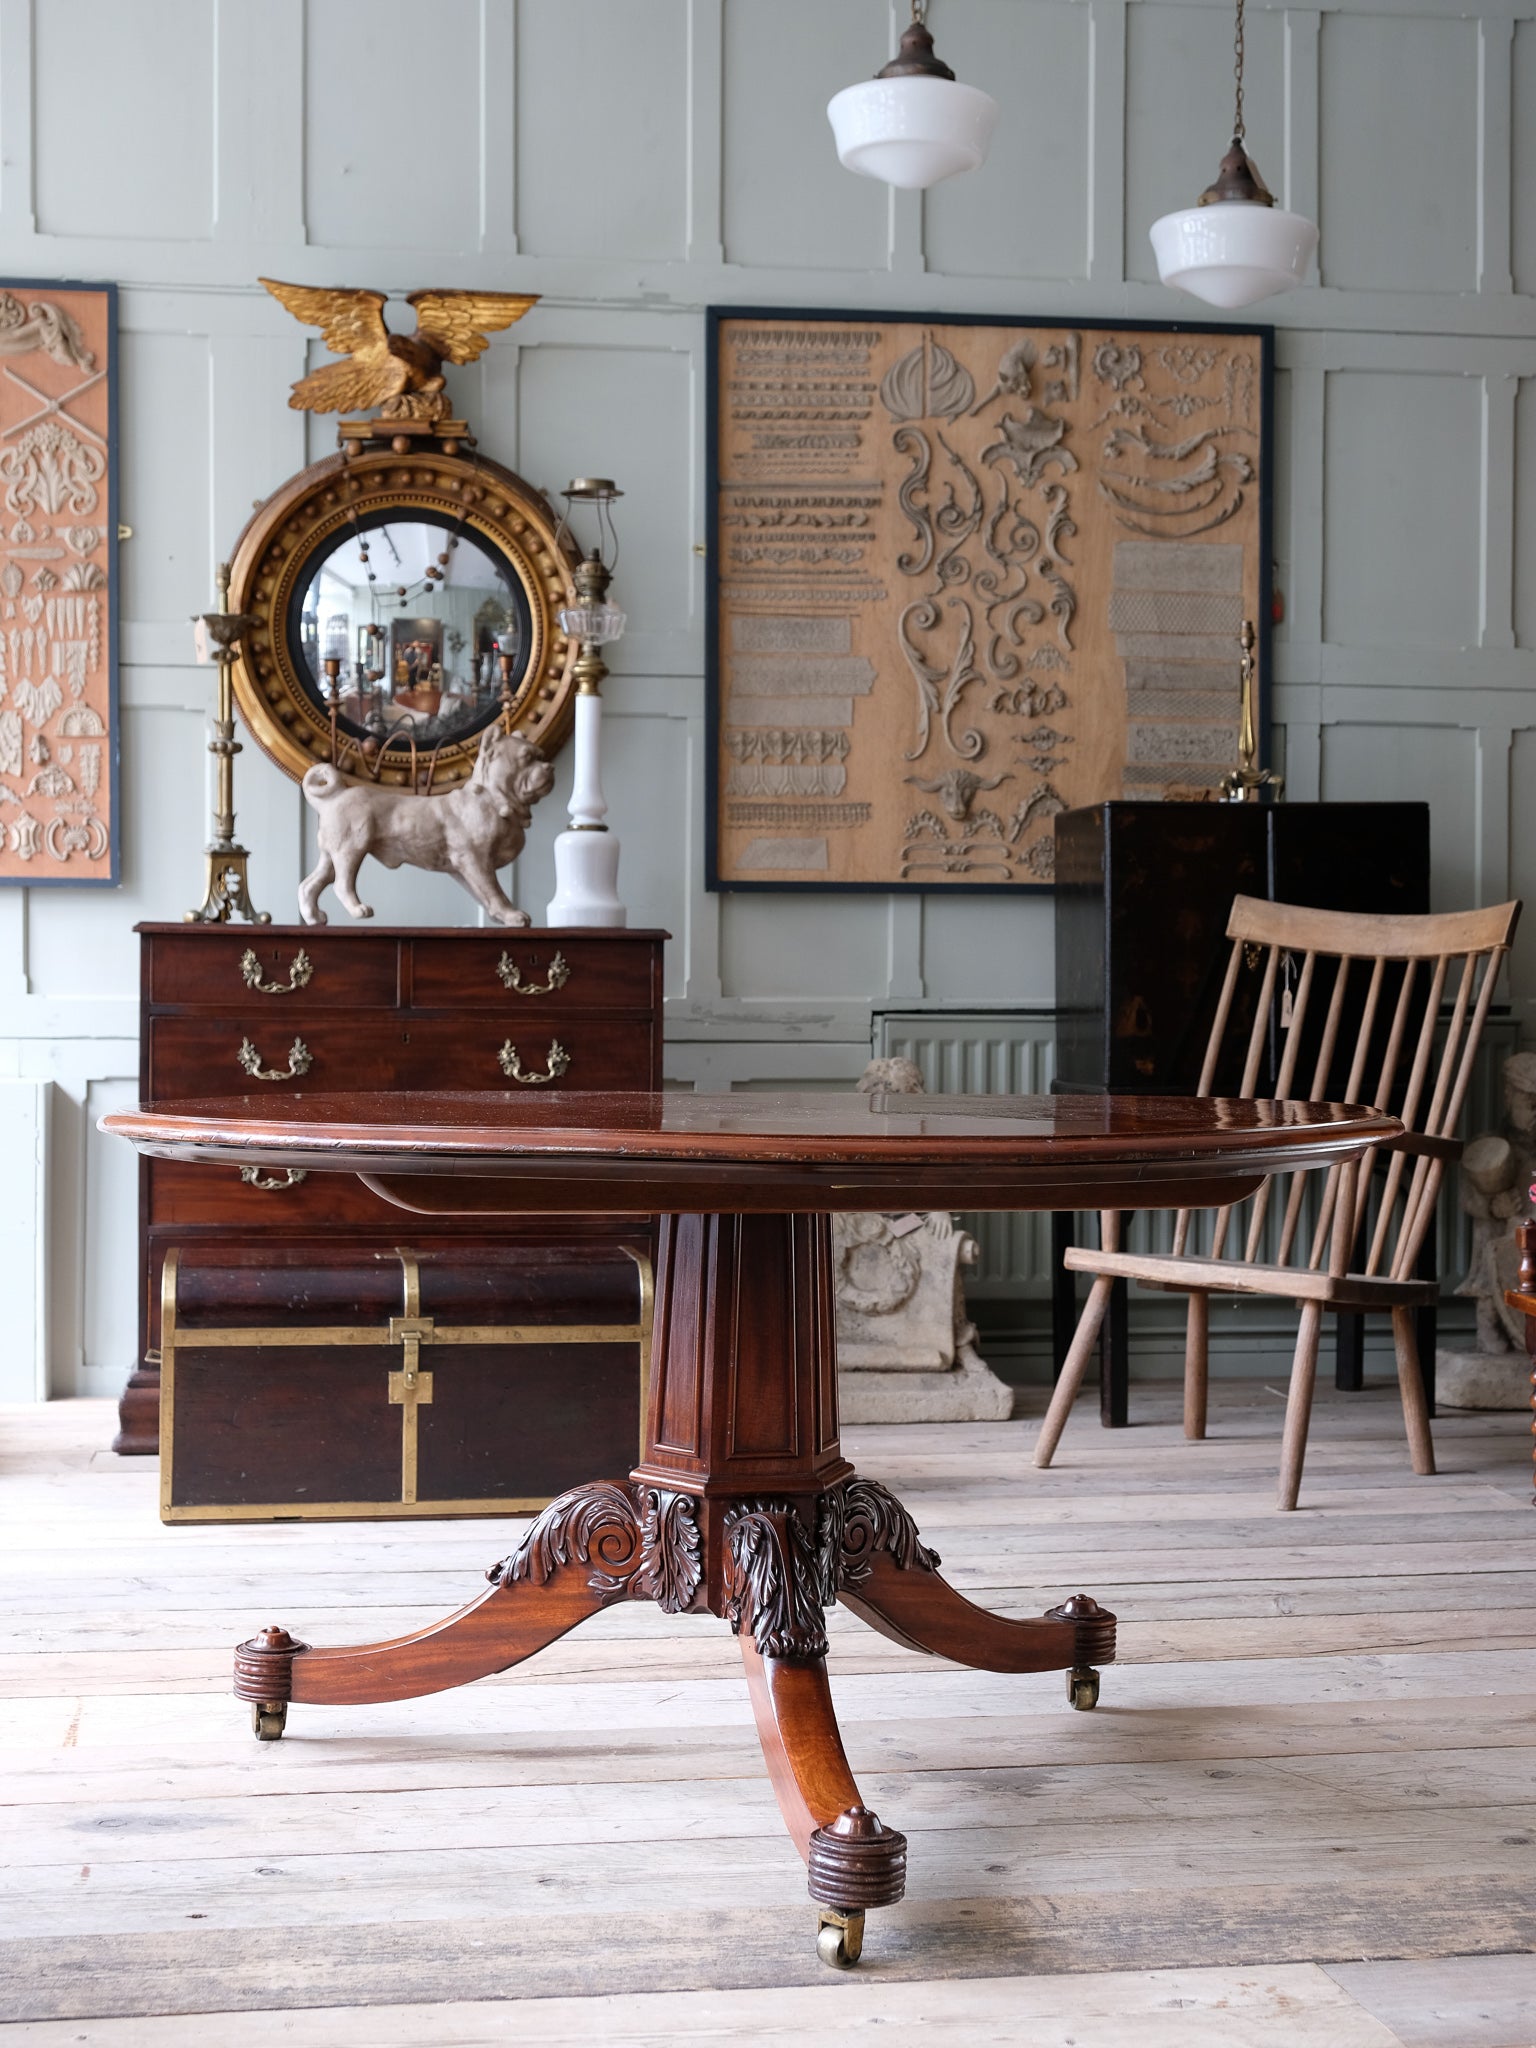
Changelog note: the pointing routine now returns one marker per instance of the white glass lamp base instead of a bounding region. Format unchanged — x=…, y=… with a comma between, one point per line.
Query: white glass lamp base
x=586, y=879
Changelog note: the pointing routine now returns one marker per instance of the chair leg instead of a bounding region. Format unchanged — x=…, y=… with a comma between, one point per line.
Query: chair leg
x=1410, y=1383
x=1197, y=1330
x=1073, y=1366
x=1298, y=1408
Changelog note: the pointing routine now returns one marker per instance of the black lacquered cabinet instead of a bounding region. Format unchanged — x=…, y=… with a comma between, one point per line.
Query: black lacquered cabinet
x=1142, y=896
x=1143, y=891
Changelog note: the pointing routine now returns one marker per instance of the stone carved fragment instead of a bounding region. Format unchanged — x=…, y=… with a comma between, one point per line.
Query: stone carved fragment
x=906, y=1348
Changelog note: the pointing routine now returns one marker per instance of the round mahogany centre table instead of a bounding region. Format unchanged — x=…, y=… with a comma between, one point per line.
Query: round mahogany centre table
x=743, y=1505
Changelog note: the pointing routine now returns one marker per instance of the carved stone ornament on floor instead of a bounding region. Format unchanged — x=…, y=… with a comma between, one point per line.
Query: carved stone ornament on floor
x=906, y=1349
x=1494, y=1185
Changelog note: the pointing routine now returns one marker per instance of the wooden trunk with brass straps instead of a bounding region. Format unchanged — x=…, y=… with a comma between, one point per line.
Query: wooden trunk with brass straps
x=450, y=1381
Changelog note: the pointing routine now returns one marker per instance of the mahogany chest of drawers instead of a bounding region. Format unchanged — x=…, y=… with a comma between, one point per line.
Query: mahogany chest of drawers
x=227, y=1010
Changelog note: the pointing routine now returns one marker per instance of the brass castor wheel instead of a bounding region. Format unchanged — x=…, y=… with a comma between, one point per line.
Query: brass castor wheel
x=267, y=1719
x=839, y=1937
x=1083, y=1687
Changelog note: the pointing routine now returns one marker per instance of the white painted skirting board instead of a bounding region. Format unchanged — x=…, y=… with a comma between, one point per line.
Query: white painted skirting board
x=24, y=1238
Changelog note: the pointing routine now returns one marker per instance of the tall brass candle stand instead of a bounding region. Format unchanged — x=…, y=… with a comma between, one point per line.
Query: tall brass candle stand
x=1244, y=784
x=226, y=886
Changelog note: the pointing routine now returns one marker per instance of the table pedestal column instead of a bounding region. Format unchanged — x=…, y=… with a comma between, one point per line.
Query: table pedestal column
x=742, y=1506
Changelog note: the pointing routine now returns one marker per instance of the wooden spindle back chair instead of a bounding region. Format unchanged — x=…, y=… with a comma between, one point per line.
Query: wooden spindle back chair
x=1353, y=1241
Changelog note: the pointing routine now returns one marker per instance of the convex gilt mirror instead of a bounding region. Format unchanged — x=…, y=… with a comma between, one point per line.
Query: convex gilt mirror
x=402, y=599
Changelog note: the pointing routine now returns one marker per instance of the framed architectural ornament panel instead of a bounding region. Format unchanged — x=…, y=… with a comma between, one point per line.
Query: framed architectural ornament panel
x=58, y=583
x=967, y=572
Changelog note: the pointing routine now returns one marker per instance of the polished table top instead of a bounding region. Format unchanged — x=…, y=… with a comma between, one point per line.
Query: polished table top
x=649, y=1153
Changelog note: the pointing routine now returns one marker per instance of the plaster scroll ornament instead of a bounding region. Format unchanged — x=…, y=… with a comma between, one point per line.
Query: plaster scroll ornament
x=10, y=743
x=51, y=470
x=957, y=788
x=26, y=837
x=84, y=539
x=468, y=832
x=401, y=374
x=906, y=1350
x=42, y=325
x=1031, y=445
x=75, y=830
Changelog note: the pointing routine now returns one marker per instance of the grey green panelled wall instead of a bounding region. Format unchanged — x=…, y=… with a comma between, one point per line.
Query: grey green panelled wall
x=635, y=163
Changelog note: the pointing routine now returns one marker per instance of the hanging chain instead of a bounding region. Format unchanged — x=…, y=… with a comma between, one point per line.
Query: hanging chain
x=1237, y=73
x=920, y=12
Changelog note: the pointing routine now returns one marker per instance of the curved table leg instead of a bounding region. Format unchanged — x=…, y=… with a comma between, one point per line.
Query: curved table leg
x=590, y=1547
x=852, y=1861
x=889, y=1578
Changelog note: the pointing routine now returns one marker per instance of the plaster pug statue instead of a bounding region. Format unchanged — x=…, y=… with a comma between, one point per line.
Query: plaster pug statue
x=468, y=832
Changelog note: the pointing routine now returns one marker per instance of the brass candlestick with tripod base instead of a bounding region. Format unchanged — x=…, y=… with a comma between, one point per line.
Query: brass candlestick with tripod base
x=1248, y=780
x=226, y=885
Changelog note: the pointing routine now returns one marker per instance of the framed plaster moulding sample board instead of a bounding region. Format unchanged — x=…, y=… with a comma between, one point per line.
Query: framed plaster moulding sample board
x=58, y=583
x=967, y=572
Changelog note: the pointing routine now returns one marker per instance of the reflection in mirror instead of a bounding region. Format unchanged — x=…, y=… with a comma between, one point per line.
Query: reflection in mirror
x=403, y=629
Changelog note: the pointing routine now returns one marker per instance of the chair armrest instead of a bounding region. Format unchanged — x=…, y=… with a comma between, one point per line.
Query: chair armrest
x=1420, y=1146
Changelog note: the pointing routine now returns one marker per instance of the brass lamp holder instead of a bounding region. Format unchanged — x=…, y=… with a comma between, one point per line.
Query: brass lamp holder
x=226, y=884
x=1248, y=781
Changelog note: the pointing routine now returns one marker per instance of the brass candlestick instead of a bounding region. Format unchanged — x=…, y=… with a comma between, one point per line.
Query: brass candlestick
x=226, y=885
x=1246, y=781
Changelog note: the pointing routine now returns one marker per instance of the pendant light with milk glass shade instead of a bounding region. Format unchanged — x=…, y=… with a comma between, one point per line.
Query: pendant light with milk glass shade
x=913, y=124
x=1235, y=246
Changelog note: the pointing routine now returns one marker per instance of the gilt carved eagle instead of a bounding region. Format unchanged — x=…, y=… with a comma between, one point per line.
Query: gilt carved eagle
x=402, y=374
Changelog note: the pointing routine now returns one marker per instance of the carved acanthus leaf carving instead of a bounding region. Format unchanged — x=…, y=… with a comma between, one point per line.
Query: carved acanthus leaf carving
x=590, y=1525
x=775, y=1580
x=671, y=1565
x=49, y=470
x=652, y=1551
x=859, y=1520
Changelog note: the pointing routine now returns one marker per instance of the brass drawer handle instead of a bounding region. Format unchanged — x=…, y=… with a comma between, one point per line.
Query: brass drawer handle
x=298, y=974
x=559, y=975
x=512, y=1066
x=255, y=1178
x=300, y=1060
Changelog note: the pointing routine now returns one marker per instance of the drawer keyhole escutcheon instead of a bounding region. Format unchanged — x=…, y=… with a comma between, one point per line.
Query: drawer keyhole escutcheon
x=255, y=1178
x=300, y=1060
x=512, y=1066
x=511, y=976
x=300, y=969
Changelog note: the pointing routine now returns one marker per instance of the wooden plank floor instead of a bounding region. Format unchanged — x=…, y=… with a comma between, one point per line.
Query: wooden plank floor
x=1305, y=1811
